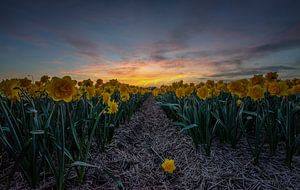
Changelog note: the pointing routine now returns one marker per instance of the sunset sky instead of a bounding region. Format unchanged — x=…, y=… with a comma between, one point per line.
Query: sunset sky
x=149, y=42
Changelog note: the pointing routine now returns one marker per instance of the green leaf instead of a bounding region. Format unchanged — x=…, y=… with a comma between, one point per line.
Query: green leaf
x=81, y=163
x=37, y=132
x=189, y=127
x=250, y=113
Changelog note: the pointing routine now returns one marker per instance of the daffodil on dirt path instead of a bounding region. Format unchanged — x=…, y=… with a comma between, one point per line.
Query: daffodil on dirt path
x=135, y=156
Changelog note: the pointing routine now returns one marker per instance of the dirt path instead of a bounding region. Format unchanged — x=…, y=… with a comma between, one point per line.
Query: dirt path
x=130, y=157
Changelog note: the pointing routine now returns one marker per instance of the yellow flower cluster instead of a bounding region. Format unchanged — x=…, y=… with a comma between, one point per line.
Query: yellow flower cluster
x=124, y=92
x=255, y=87
x=61, y=88
x=10, y=89
x=204, y=92
x=67, y=90
x=112, y=107
x=256, y=92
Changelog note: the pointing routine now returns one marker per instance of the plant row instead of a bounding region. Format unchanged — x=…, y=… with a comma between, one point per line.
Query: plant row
x=230, y=114
x=49, y=127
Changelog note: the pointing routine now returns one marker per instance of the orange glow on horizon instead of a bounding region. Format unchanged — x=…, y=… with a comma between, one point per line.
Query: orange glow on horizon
x=144, y=73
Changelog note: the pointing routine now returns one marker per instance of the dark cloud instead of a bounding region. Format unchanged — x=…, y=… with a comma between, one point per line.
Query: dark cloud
x=238, y=57
x=83, y=46
x=80, y=42
x=162, y=47
x=263, y=49
x=157, y=57
x=246, y=72
x=276, y=46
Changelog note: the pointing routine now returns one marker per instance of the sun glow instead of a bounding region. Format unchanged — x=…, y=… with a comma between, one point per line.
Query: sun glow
x=146, y=73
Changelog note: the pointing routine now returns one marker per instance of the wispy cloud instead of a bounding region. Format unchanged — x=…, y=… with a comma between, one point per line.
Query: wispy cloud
x=228, y=59
x=83, y=46
x=246, y=72
x=276, y=46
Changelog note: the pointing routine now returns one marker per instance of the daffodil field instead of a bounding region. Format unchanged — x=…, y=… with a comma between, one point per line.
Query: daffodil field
x=49, y=126
x=264, y=110
x=52, y=126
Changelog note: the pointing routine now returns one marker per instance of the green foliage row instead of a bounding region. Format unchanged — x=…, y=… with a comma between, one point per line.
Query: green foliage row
x=268, y=121
x=47, y=138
